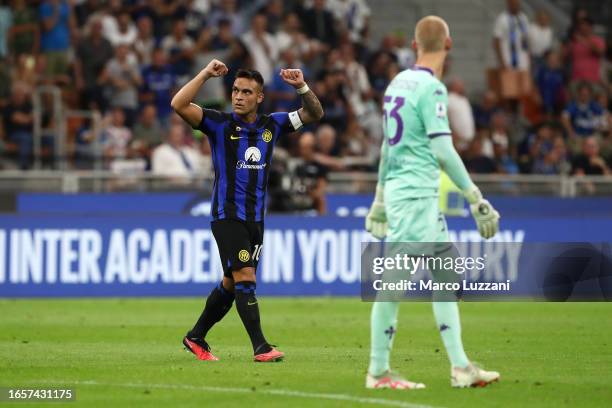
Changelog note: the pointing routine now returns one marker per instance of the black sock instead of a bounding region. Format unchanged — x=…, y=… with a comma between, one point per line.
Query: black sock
x=246, y=304
x=219, y=302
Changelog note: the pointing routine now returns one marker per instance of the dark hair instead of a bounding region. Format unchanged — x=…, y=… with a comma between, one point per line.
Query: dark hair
x=250, y=74
x=584, y=85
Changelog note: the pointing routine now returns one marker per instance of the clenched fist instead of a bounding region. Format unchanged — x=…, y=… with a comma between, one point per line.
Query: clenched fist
x=215, y=68
x=293, y=77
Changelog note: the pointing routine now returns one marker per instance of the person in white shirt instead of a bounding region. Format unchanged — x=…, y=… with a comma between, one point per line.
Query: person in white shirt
x=541, y=38
x=262, y=46
x=145, y=41
x=174, y=158
x=121, y=31
x=460, y=115
x=354, y=14
x=510, y=34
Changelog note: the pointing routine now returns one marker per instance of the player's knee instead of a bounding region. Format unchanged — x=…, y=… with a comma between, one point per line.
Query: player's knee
x=228, y=284
x=244, y=274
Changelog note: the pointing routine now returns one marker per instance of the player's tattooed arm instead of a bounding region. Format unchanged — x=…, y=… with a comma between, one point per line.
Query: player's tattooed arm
x=311, y=110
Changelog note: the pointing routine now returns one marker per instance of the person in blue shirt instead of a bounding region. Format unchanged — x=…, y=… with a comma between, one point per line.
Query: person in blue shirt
x=242, y=142
x=158, y=84
x=57, y=20
x=549, y=79
x=583, y=116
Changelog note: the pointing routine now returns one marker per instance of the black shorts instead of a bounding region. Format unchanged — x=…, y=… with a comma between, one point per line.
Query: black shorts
x=239, y=243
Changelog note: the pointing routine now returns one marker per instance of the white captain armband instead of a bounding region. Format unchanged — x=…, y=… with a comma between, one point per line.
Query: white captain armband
x=295, y=120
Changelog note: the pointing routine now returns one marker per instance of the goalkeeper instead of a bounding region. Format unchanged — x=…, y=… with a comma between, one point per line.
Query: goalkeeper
x=417, y=143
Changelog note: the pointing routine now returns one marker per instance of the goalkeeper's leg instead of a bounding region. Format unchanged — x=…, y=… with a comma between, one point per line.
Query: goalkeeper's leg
x=446, y=312
x=383, y=325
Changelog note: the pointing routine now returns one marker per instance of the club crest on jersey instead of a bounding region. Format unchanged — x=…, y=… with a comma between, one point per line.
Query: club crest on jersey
x=243, y=255
x=252, y=156
x=266, y=136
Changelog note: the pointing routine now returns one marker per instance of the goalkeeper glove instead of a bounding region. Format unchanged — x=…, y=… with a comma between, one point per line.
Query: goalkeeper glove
x=486, y=217
x=376, y=220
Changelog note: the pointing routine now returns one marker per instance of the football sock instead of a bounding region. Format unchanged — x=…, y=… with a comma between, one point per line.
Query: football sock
x=447, y=318
x=248, y=310
x=218, y=303
x=383, y=326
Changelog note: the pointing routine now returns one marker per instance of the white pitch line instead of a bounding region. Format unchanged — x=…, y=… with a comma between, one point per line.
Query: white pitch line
x=287, y=393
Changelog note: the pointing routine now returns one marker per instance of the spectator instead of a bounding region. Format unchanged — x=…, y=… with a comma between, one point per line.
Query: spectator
x=355, y=142
x=311, y=174
x=354, y=14
x=145, y=42
x=93, y=53
x=499, y=133
x=158, y=84
x=406, y=57
x=292, y=36
x=148, y=132
x=179, y=47
x=583, y=116
x=57, y=24
x=174, y=158
x=281, y=95
x=195, y=16
x=222, y=40
x=123, y=31
x=19, y=123
x=505, y=162
x=328, y=149
x=122, y=77
x=274, y=11
x=590, y=162
x=6, y=20
x=84, y=10
x=358, y=90
x=116, y=136
x=238, y=57
x=26, y=69
x=605, y=124
x=475, y=160
x=550, y=83
x=484, y=111
x=585, y=53
x=262, y=46
x=377, y=70
x=335, y=105
x=510, y=38
x=319, y=24
x=213, y=95
x=24, y=35
x=228, y=10
x=540, y=38
x=578, y=14
x=460, y=115
x=5, y=85
x=552, y=160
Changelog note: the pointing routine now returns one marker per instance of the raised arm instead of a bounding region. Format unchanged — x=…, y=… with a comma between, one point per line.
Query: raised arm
x=311, y=110
x=182, y=101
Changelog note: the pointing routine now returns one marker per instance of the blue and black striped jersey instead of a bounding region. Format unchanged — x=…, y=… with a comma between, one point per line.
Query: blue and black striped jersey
x=241, y=155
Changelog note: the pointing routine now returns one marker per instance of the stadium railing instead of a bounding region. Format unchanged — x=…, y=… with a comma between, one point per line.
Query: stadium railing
x=339, y=182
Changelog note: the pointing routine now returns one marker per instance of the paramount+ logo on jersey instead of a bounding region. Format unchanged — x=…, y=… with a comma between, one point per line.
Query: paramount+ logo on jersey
x=252, y=157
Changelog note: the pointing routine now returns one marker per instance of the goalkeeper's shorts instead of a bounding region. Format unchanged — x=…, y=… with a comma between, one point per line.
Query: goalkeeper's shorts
x=415, y=220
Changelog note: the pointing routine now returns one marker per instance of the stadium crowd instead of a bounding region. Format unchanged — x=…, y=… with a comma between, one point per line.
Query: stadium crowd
x=125, y=59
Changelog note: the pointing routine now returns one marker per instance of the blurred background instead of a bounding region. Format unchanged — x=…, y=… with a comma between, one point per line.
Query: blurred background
x=87, y=128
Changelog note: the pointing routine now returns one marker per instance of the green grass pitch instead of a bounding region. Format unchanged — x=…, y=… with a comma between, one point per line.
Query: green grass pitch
x=128, y=353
